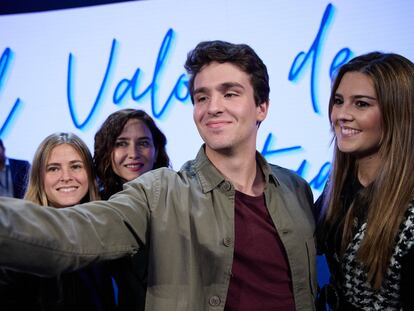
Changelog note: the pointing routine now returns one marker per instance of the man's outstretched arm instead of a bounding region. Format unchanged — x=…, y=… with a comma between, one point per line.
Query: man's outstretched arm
x=47, y=241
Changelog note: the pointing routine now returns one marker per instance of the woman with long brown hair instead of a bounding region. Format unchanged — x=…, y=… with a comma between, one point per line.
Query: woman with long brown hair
x=366, y=228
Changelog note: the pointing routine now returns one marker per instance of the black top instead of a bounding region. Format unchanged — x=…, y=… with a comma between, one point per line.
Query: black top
x=86, y=289
x=130, y=274
x=20, y=175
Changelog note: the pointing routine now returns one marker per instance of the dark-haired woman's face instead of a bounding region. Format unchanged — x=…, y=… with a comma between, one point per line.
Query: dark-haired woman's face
x=134, y=153
x=356, y=116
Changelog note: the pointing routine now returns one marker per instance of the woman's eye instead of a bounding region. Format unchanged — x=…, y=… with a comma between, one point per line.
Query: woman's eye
x=52, y=169
x=121, y=144
x=145, y=144
x=77, y=167
x=201, y=99
x=338, y=101
x=361, y=104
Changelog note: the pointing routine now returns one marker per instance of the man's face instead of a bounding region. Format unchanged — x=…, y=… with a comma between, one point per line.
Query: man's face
x=225, y=112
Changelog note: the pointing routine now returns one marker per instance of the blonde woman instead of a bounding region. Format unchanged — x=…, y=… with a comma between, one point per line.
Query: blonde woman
x=62, y=175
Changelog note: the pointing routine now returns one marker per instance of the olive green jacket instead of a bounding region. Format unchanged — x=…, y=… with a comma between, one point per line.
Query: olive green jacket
x=187, y=220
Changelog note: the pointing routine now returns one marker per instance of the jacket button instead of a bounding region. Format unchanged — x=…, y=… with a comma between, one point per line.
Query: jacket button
x=225, y=186
x=214, y=301
x=227, y=242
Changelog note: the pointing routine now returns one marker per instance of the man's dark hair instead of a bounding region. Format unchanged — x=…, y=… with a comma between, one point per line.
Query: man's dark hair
x=1, y=144
x=240, y=55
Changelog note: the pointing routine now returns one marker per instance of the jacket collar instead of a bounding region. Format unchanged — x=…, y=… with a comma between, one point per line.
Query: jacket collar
x=211, y=178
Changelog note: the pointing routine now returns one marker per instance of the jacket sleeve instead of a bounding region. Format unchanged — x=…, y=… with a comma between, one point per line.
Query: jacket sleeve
x=48, y=241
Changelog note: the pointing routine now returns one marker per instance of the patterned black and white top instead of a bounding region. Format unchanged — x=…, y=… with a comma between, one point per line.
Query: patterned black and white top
x=353, y=290
x=357, y=290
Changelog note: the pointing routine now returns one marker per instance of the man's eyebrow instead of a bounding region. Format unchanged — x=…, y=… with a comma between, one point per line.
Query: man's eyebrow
x=200, y=90
x=222, y=87
x=228, y=85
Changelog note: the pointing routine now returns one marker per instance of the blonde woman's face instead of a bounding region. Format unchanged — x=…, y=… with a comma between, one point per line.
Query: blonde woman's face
x=65, y=177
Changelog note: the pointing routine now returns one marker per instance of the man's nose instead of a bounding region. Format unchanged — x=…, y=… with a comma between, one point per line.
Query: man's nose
x=215, y=105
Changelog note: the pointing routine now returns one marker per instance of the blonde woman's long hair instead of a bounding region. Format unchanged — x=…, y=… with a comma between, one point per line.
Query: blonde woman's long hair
x=35, y=191
x=389, y=195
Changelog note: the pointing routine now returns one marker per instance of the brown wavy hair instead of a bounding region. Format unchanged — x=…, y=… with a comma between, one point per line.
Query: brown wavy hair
x=105, y=139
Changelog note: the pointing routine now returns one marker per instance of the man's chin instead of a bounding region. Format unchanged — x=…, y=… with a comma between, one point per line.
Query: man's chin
x=224, y=149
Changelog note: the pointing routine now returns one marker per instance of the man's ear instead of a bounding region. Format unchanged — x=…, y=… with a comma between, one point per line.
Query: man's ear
x=261, y=111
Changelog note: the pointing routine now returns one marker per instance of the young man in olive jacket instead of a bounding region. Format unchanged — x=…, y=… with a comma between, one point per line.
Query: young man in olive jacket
x=227, y=232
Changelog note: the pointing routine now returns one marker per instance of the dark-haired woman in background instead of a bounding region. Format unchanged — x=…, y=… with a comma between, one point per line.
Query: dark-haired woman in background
x=127, y=145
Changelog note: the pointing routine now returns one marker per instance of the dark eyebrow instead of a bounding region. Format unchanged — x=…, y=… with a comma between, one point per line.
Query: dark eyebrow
x=200, y=90
x=228, y=85
x=144, y=138
x=357, y=96
x=222, y=87
x=127, y=139
x=364, y=96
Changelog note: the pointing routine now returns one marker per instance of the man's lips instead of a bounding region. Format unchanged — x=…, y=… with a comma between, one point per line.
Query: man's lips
x=217, y=124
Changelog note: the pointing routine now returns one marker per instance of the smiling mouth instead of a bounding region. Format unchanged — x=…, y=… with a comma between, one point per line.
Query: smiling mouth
x=135, y=166
x=67, y=189
x=347, y=131
x=217, y=124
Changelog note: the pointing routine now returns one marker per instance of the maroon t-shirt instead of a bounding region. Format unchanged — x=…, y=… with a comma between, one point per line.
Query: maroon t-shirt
x=261, y=277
